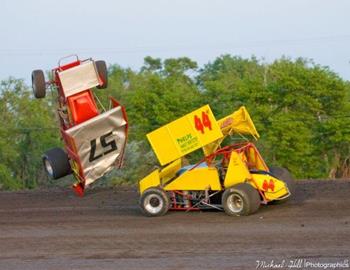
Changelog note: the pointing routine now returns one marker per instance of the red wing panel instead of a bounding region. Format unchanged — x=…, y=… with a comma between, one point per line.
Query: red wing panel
x=100, y=143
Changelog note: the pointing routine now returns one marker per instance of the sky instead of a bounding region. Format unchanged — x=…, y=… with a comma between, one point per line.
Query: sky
x=35, y=34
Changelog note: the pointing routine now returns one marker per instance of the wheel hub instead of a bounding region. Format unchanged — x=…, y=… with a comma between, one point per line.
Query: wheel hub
x=153, y=203
x=48, y=167
x=235, y=203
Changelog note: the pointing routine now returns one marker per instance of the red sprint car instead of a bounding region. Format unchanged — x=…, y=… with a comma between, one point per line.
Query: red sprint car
x=94, y=138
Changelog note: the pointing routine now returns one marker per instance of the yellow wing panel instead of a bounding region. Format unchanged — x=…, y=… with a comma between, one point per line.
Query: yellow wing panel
x=170, y=171
x=237, y=171
x=151, y=180
x=184, y=135
x=239, y=122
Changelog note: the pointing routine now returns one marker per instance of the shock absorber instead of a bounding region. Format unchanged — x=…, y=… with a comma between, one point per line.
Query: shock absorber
x=186, y=199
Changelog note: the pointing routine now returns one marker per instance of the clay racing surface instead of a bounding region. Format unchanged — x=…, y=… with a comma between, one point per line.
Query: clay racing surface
x=105, y=230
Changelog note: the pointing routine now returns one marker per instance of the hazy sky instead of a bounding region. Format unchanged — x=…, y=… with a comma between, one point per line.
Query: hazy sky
x=36, y=33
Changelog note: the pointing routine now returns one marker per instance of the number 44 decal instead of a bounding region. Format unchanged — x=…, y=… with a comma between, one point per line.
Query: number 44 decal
x=108, y=146
x=202, y=123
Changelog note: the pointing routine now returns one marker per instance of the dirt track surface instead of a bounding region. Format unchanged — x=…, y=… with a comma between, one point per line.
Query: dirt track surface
x=105, y=230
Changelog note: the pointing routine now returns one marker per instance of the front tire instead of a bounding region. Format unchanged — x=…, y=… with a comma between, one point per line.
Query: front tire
x=241, y=200
x=154, y=202
x=56, y=163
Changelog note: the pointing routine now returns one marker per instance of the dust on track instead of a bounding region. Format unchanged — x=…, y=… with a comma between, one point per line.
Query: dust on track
x=54, y=229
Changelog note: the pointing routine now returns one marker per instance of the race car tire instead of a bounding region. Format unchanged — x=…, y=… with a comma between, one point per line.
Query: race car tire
x=102, y=73
x=38, y=83
x=56, y=163
x=241, y=200
x=284, y=175
x=154, y=202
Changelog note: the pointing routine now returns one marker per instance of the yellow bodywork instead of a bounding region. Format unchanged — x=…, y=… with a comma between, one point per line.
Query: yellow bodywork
x=279, y=191
x=182, y=136
x=160, y=177
x=237, y=172
x=196, y=179
x=240, y=165
x=151, y=180
x=207, y=178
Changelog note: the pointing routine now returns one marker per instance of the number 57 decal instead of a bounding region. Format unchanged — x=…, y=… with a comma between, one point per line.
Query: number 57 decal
x=107, y=145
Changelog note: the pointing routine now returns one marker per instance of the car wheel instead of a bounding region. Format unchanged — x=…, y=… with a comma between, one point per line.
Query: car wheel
x=241, y=200
x=154, y=202
x=284, y=175
x=102, y=73
x=38, y=84
x=56, y=163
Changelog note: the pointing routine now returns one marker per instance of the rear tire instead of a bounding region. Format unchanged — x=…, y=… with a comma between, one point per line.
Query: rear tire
x=284, y=175
x=102, y=73
x=38, y=83
x=154, y=202
x=241, y=200
x=56, y=163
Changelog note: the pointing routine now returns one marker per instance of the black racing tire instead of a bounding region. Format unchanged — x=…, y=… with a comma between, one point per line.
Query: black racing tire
x=38, y=83
x=241, y=200
x=56, y=163
x=284, y=175
x=102, y=72
x=154, y=202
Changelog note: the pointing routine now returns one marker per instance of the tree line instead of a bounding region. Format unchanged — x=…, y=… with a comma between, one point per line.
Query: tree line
x=301, y=110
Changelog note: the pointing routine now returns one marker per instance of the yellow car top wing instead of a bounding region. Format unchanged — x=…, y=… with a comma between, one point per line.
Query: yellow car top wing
x=184, y=135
